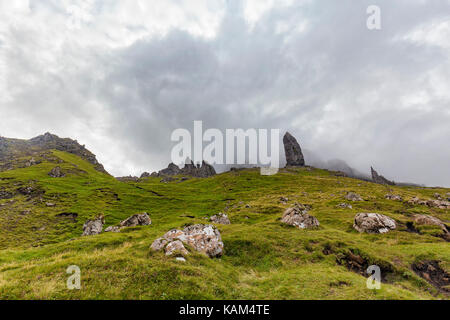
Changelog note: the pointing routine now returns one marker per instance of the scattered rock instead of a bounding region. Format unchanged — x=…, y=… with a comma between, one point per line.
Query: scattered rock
x=433, y=274
x=181, y=259
x=298, y=216
x=5, y=195
x=422, y=219
x=56, y=173
x=50, y=204
x=220, y=218
x=284, y=200
x=352, y=196
x=437, y=196
x=393, y=197
x=93, y=227
x=373, y=223
x=202, y=238
x=345, y=206
x=115, y=229
x=441, y=204
x=380, y=179
x=294, y=155
x=137, y=220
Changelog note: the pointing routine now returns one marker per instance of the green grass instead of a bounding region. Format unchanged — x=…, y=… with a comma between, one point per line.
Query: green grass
x=263, y=258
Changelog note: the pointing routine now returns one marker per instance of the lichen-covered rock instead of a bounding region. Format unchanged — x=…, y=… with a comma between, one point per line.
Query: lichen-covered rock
x=394, y=197
x=352, y=196
x=373, y=223
x=220, y=218
x=422, y=219
x=175, y=248
x=202, y=238
x=298, y=216
x=137, y=220
x=112, y=229
x=93, y=227
x=344, y=206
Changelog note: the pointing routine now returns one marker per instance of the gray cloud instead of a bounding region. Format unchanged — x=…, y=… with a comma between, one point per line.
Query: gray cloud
x=311, y=67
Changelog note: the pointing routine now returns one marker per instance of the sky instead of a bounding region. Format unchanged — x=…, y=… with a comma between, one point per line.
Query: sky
x=120, y=76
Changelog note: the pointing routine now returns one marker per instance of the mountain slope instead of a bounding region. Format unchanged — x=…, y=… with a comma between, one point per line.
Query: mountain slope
x=41, y=221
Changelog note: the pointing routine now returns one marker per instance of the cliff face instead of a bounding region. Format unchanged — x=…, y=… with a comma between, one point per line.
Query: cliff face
x=11, y=149
x=379, y=178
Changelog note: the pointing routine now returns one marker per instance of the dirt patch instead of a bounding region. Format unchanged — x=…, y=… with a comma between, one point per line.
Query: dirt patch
x=433, y=274
x=358, y=264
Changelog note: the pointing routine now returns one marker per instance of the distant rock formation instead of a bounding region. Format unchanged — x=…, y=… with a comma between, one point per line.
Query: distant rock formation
x=380, y=179
x=294, y=155
x=56, y=172
x=17, y=148
x=190, y=169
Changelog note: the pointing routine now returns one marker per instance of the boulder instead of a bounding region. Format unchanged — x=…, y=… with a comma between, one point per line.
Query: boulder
x=373, y=223
x=220, y=218
x=137, y=220
x=112, y=229
x=422, y=219
x=441, y=204
x=56, y=172
x=393, y=197
x=293, y=152
x=202, y=238
x=351, y=196
x=93, y=227
x=298, y=216
x=380, y=179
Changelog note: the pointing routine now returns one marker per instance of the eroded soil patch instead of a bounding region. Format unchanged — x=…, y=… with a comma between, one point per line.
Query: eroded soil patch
x=433, y=274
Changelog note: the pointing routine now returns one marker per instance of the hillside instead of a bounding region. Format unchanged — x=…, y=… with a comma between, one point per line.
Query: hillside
x=41, y=223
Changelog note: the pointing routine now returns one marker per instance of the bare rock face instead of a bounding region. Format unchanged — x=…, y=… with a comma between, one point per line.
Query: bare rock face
x=145, y=175
x=298, y=216
x=380, y=179
x=393, y=197
x=353, y=197
x=137, y=220
x=202, y=238
x=190, y=169
x=220, y=218
x=373, y=223
x=56, y=173
x=294, y=155
x=93, y=227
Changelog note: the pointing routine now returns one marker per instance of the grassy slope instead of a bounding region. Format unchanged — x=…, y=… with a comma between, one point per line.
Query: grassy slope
x=263, y=259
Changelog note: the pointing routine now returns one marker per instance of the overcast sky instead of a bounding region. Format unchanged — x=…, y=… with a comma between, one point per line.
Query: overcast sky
x=120, y=76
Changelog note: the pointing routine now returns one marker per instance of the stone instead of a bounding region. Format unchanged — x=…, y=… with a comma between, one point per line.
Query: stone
x=298, y=216
x=50, y=204
x=137, y=220
x=180, y=259
x=284, y=200
x=93, y=227
x=205, y=239
x=373, y=223
x=56, y=172
x=145, y=175
x=352, y=196
x=379, y=178
x=393, y=197
x=293, y=152
x=344, y=206
x=437, y=196
x=422, y=219
x=176, y=247
x=113, y=229
x=220, y=218
x=441, y=204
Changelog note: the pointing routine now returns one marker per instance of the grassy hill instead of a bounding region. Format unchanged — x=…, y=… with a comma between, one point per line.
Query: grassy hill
x=41, y=221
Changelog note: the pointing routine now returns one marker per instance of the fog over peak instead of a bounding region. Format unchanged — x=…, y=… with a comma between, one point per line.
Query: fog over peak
x=120, y=76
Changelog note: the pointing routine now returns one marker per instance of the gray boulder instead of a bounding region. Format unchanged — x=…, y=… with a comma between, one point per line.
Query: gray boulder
x=220, y=218
x=298, y=216
x=137, y=220
x=93, y=227
x=294, y=155
x=352, y=196
x=373, y=223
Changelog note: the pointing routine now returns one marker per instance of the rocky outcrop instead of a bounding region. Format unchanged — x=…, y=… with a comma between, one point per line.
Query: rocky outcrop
x=16, y=148
x=373, y=223
x=380, y=179
x=93, y=227
x=205, y=239
x=293, y=152
x=352, y=196
x=441, y=204
x=190, y=169
x=220, y=218
x=298, y=216
x=56, y=172
x=427, y=220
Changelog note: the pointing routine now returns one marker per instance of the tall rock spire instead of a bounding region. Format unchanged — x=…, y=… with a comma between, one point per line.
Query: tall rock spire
x=294, y=155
